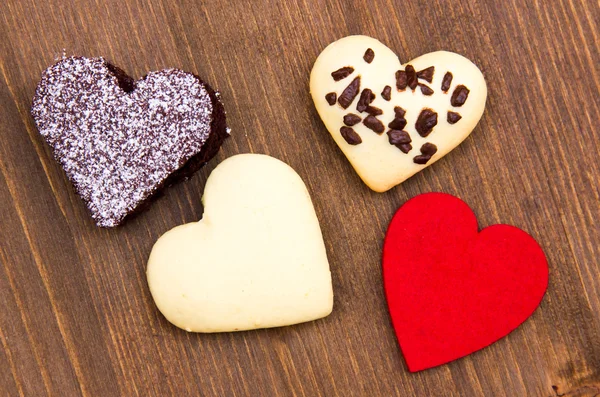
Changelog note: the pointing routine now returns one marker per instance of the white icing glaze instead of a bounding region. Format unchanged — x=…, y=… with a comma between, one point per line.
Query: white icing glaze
x=380, y=164
x=255, y=260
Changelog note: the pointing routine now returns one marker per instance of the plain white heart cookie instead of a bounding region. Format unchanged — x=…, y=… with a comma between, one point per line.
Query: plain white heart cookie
x=392, y=120
x=255, y=260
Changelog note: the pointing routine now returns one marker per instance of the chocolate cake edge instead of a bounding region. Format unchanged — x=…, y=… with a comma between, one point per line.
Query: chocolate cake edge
x=218, y=134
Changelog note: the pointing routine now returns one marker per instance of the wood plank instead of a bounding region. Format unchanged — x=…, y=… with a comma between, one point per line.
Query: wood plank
x=77, y=314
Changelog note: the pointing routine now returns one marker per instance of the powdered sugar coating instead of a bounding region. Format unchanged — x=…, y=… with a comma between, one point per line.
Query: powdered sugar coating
x=118, y=147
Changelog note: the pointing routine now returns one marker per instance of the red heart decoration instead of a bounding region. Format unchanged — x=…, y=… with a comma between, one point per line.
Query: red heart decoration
x=452, y=290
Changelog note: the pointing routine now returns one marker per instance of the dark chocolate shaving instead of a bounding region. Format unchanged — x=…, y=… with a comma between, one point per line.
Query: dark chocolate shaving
x=350, y=136
x=426, y=74
x=446, y=82
x=386, y=93
x=426, y=121
x=411, y=77
x=453, y=117
x=425, y=90
x=421, y=159
x=427, y=150
x=366, y=97
x=405, y=147
x=369, y=55
x=349, y=93
x=398, y=123
x=351, y=119
x=459, y=96
x=331, y=98
x=374, y=111
x=400, y=139
x=342, y=73
x=373, y=123
x=401, y=81
x=399, y=112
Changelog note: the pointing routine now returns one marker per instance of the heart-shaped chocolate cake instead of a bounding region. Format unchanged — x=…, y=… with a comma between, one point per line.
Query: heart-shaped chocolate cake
x=119, y=140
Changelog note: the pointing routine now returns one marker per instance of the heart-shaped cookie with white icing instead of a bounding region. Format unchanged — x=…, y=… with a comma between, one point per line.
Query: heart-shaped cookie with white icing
x=255, y=260
x=393, y=120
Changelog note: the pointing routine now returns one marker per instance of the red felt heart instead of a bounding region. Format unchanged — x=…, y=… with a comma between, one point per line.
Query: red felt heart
x=452, y=290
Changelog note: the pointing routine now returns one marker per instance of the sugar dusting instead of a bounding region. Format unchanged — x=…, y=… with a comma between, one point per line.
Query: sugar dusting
x=118, y=147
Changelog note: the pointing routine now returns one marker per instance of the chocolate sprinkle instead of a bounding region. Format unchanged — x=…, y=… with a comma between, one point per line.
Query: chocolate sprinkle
x=427, y=150
x=369, y=55
x=399, y=112
x=453, y=117
x=366, y=97
x=350, y=136
x=426, y=121
x=400, y=139
x=351, y=119
x=426, y=74
x=120, y=147
x=349, y=93
x=373, y=123
x=374, y=111
x=421, y=159
x=386, y=93
x=331, y=98
x=459, y=96
x=405, y=147
x=411, y=77
x=401, y=81
x=446, y=82
x=342, y=73
x=425, y=90
x=398, y=123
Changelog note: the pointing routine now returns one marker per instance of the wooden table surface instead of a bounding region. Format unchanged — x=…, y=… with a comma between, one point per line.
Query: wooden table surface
x=76, y=315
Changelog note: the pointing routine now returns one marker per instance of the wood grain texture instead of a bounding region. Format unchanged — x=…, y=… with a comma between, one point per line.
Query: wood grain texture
x=76, y=314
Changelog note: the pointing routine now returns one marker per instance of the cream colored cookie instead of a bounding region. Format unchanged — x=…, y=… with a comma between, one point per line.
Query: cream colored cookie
x=379, y=159
x=255, y=260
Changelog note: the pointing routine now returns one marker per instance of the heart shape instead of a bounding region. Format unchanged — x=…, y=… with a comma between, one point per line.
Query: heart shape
x=255, y=260
x=451, y=290
x=393, y=120
x=120, y=141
